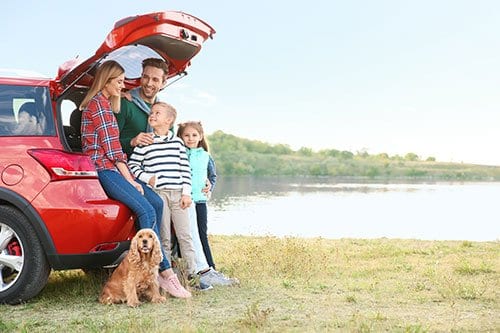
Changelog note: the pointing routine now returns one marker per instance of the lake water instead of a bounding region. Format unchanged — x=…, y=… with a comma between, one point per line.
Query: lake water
x=312, y=207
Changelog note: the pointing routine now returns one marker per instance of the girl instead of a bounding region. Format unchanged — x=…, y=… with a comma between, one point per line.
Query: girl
x=202, y=168
x=100, y=141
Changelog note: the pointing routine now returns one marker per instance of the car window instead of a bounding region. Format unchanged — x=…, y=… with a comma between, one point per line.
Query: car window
x=25, y=111
x=131, y=57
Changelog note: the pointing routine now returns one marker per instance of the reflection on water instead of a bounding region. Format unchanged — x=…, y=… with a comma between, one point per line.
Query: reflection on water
x=326, y=207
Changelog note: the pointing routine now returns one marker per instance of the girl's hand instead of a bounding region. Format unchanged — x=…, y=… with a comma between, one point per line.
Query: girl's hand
x=207, y=187
x=185, y=201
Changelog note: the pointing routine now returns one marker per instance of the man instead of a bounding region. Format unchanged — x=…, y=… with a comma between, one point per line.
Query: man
x=133, y=117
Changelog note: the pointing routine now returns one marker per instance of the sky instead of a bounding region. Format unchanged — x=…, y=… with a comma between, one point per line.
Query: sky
x=385, y=76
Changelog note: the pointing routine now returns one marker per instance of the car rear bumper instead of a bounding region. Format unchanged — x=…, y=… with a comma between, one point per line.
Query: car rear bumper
x=90, y=260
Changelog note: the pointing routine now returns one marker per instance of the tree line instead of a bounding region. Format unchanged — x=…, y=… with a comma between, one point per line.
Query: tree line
x=239, y=156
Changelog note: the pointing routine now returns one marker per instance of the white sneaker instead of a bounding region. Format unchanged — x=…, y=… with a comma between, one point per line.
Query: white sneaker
x=215, y=278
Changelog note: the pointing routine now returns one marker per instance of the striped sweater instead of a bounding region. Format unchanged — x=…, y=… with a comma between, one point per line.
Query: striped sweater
x=166, y=159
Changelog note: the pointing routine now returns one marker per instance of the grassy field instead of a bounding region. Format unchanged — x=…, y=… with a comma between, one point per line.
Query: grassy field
x=297, y=285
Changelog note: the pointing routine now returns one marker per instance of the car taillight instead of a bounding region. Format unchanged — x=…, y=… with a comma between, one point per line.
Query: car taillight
x=64, y=165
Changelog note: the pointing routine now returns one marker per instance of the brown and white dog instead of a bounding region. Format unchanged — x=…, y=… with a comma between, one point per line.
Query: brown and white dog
x=137, y=275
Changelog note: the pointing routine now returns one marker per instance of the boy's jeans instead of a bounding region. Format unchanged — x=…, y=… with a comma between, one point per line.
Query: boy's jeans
x=172, y=212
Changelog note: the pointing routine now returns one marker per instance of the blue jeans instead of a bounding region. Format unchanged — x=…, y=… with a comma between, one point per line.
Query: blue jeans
x=147, y=208
x=199, y=255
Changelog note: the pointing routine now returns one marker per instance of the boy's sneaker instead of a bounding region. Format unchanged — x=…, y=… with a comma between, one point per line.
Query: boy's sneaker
x=215, y=278
x=173, y=286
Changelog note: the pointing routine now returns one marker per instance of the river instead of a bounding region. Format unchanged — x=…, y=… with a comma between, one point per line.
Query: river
x=329, y=208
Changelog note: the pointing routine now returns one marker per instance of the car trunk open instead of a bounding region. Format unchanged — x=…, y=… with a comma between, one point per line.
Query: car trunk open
x=174, y=36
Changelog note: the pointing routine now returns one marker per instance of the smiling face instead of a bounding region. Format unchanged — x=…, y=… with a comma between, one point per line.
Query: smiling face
x=191, y=137
x=114, y=86
x=161, y=118
x=152, y=80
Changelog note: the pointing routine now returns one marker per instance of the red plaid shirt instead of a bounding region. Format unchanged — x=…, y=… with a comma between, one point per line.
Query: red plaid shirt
x=100, y=134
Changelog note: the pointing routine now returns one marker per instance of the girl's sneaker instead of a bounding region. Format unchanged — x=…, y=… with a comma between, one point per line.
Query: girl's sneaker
x=215, y=278
x=173, y=286
x=195, y=283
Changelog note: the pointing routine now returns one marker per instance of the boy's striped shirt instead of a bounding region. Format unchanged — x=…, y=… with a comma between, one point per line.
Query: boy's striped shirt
x=166, y=159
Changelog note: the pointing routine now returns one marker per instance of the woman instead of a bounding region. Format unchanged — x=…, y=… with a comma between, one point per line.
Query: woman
x=100, y=141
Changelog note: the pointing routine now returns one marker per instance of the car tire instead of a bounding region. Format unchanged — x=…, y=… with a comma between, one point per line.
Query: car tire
x=24, y=277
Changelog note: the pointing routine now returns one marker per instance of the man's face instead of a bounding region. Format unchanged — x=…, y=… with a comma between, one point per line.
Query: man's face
x=152, y=80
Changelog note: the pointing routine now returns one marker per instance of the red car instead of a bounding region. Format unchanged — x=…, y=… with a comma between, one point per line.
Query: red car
x=54, y=214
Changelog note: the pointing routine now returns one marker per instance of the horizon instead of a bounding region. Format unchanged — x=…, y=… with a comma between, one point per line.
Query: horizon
x=295, y=149
x=386, y=77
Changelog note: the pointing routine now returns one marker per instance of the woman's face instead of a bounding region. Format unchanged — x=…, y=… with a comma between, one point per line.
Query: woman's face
x=115, y=86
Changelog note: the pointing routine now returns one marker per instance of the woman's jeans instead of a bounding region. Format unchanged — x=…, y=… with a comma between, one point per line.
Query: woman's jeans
x=202, y=219
x=147, y=208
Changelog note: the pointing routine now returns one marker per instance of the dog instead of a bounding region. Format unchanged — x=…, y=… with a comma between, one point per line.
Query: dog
x=137, y=275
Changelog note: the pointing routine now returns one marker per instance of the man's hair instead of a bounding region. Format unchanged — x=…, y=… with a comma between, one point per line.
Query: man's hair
x=156, y=62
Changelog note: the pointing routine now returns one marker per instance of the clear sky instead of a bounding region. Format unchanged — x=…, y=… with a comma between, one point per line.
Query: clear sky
x=389, y=76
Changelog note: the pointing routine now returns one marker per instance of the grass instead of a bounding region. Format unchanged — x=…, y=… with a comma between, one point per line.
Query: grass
x=297, y=285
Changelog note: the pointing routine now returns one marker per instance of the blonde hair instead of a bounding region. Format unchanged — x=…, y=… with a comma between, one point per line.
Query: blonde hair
x=106, y=72
x=171, y=111
x=198, y=128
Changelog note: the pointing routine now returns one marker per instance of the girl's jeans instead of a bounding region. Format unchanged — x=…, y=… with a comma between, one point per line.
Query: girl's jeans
x=202, y=219
x=148, y=208
x=200, y=260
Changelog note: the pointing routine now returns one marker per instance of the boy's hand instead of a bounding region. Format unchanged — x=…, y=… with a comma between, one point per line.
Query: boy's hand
x=152, y=181
x=185, y=201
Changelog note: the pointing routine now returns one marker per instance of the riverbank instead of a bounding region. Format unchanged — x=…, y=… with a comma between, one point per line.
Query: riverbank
x=292, y=284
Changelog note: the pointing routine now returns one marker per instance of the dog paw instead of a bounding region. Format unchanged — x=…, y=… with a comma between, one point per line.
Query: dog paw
x=159, y=299
x=133, y=304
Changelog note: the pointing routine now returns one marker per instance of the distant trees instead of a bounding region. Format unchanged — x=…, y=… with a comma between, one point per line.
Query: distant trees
x=411, y=157
x=238, y=156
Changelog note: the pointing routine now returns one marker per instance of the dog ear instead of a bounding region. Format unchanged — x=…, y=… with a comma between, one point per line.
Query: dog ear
x=133, y=253
x=157, y=255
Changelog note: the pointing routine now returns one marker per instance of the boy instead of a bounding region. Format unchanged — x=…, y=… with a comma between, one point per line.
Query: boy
x=164, y=166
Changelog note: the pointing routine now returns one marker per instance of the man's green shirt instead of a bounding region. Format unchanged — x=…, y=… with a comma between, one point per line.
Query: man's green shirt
x=131, y=121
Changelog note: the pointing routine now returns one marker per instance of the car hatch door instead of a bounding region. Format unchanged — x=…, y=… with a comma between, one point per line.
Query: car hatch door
x=174, y=36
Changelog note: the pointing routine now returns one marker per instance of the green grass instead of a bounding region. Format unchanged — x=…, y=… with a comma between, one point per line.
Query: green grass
x=297, y=285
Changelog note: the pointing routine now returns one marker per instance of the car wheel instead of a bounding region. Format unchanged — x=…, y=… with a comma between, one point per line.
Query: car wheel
x=24, y=268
